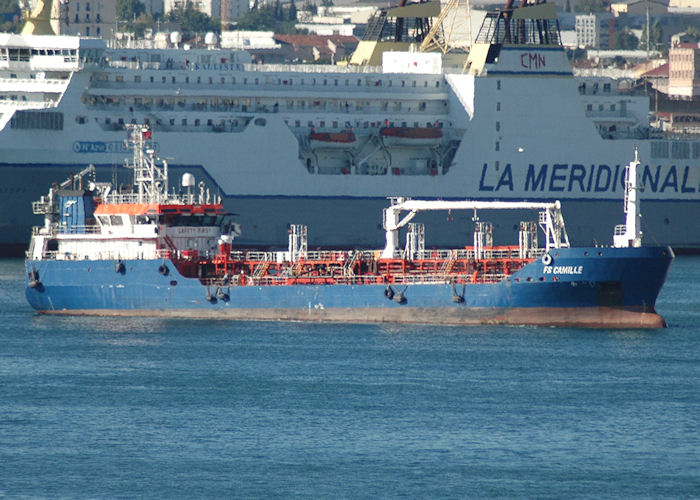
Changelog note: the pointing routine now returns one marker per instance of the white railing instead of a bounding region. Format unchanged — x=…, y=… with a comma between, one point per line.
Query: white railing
x=311, y=68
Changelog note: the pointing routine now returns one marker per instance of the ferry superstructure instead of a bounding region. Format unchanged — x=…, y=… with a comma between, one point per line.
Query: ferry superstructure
x=327, y=144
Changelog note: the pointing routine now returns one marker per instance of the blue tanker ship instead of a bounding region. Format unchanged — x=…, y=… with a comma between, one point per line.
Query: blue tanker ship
x=149, y=250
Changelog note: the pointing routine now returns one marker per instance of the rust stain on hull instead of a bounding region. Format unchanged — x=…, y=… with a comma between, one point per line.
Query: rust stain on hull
x=590, y=317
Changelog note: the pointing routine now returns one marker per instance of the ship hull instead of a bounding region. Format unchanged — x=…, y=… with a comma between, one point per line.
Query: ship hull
x=581, y=287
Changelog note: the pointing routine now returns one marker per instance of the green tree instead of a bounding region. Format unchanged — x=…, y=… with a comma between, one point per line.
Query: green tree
x=292, y=11
x=193, y=20
x=655, y=36
x=265, y=18
x=625, y=40
x=587, y=6
x=10, y=16
x=310, y=6
x=142, y=23
x=692, y=31
x=129, y=10
x=576, y=54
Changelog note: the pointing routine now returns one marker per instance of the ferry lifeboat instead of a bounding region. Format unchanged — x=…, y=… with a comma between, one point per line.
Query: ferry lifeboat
x=332, y=140
x=411, y=136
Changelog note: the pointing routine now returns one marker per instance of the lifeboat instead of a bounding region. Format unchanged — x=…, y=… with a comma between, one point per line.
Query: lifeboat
x=411, y=136
x=332, y=140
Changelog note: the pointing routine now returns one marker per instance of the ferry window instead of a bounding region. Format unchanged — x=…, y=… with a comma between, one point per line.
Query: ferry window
x=184, y=122
x=606, y=87
x=196, y=122
x=223, y=80
x=151, y=79
x=437, y=84
x=589, y=107
x=413, y=83
x=257, y=80
x=87, y=6
x=137, y=79
x=120, y=121
x=612, y=107
x=173, y=79
x=425, y=83
x=311, y=124
x=498, y=126
x=347, y=82
x=103, y=219
x=199, y=79
x=119, y=78
x=115, y=220
x=211, y=80
x=245, y=81
x=322, y=124
x=260, y=122
x=600, y=107
x=403, y=83
x=77, y=19
x=498, y=106
x=108, y=120
x=209, y=123
x=359, y=82
x=335, y=82
x=498, y=84
x=297, y=123
x=422, y=105
x=163, y=80
x=77, y=6
x=233, y=80
x=172, y=121
x=498, y=146
x=335, y=124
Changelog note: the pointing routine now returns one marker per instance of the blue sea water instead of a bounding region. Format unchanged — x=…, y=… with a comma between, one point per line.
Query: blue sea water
x=153, y=408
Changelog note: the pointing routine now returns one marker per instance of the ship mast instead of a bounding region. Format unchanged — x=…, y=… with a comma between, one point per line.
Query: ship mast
x=151, y=180
x=630, y=233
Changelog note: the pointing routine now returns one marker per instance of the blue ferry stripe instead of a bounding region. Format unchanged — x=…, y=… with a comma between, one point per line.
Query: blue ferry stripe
x=520, y=48
x=226, y=195
x=533, y=73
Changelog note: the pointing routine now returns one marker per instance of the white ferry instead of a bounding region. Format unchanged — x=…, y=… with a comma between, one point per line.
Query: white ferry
x=328, y=144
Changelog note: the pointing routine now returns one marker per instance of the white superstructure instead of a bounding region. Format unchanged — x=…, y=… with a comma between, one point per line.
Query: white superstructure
x=329, y=143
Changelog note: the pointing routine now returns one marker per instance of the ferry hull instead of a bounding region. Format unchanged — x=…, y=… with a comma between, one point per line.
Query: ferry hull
x=266, y=219
x=581, y=287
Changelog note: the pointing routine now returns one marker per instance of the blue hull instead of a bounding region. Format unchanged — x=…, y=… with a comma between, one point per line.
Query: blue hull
x=614, y=287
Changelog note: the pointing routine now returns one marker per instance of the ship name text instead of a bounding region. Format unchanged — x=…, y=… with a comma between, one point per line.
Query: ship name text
x=562, y=270
x=84, y=147
x=217, y=67
x=573, y=178
x=531, y=60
